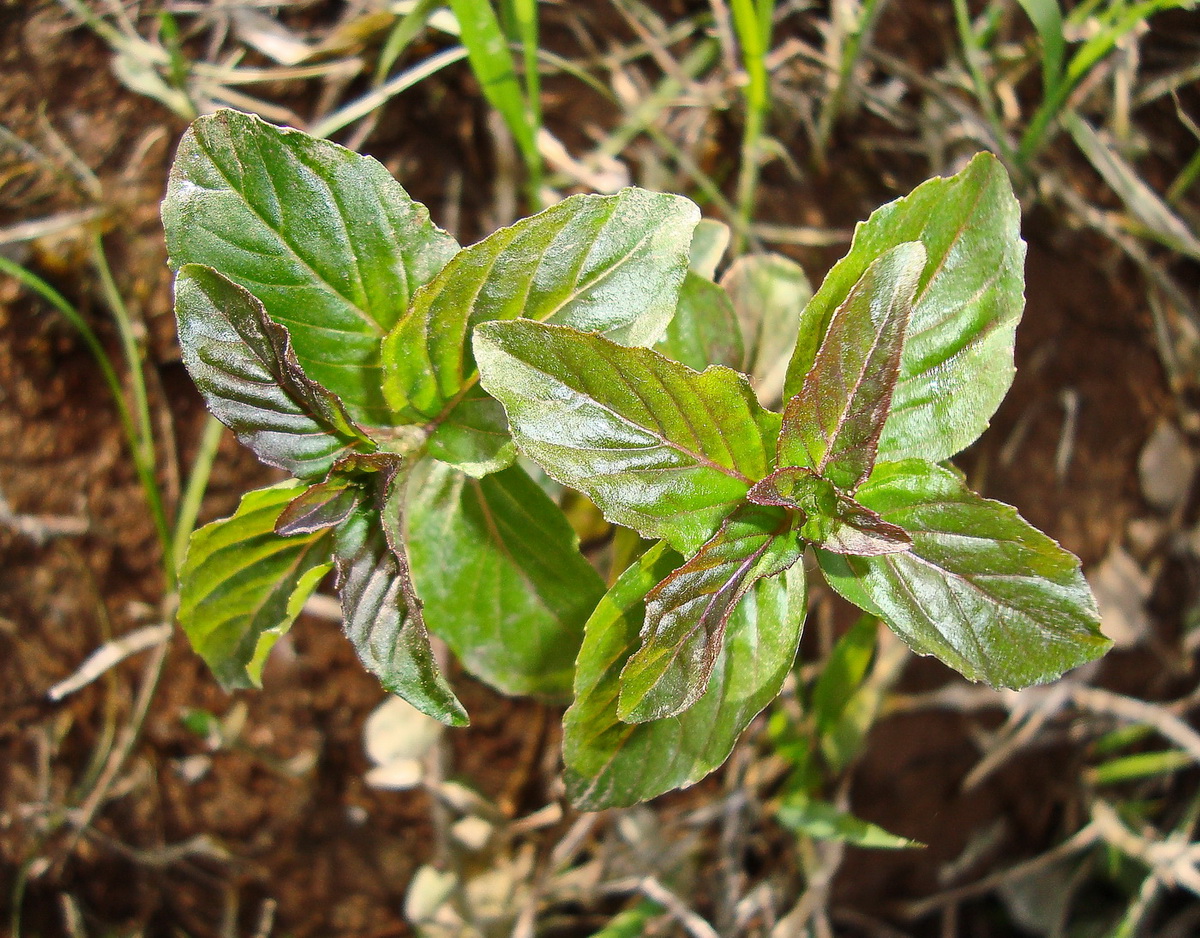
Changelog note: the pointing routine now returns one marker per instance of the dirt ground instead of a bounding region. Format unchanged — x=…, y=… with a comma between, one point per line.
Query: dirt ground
x=187, y=840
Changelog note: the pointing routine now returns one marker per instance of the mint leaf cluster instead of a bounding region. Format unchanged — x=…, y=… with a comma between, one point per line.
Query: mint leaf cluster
x=397, y=377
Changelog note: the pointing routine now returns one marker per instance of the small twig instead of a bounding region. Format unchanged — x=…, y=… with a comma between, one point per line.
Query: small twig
x=41, y=528
x=1080, y=841
x=692, y=923
x=109, y=655
x=130, y=733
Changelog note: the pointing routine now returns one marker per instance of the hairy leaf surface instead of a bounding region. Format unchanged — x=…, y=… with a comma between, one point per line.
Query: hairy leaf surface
x=242, y=585
x=244, y=365
x=957, y=363
x=380, y=610
x=832, y=425
x=613, y=764
x=980, y=588
x=655, y=445
x=499, y=570
x=704, y=330
x=686, y=614
x=610, y=264
x=324, y=237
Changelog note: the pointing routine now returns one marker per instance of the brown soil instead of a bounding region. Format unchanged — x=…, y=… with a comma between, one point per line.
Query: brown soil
x=334, y=854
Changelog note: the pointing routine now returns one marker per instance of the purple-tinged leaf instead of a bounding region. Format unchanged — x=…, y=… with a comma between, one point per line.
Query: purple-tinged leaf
x=323, y=236
x=686, y=613
x=657, y=446
x=380, y=609
x=613, y=764
x=833, y=425
x=244, y=365
x=980, y=588
x=324, y=505
x=957, y=362
x=830, y=519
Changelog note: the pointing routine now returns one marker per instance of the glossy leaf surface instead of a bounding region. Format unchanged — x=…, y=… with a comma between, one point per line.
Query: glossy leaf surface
x=767, y=291
x=833, y=424
x=980, y=588
x=473, y=436
x=501, y=577
x=704, y=330
x=324, y=237
x=613, y=764
x=242, y=585
x=609, y=264
x=244, y=365
x=957, y=363
x=686, y=613
x=324, y=505
x=380, y=610
x=655, y=445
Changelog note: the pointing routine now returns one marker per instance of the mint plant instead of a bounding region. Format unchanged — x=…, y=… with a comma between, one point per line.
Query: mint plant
x=397, y=376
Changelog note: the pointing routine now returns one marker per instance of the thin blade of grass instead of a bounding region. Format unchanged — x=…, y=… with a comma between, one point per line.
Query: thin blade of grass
x=493, y=65
x=1047, y=19
x=1142, y=202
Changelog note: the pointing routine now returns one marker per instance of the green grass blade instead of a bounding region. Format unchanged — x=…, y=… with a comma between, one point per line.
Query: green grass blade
x=523, y=14
x=752, y=20
x=492, y=63
x=407, y=28
x=133, y=436
x=1047, y=19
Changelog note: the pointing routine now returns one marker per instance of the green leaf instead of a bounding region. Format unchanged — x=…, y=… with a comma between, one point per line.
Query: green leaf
x=704, y=330
x=380, y=609
x=957, y=361
x=242, y=585
x=709, y=243
x=822, y=821
x=474, y=436
x=610, y=264
x=843, y=673
x=767, y=291
x=325, y=238
x=686, y=614
x=829, y=518
x=832, y=425
x=244, y=365
x=501, y=577
x=980, y=588
x=613, y=764
x=655, y=445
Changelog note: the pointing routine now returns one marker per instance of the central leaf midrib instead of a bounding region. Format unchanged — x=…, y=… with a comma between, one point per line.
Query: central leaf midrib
x=319, y=278
x=658, y=435
x=854, y=389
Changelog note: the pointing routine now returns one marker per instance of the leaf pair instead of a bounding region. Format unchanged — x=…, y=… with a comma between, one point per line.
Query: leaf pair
x=903, y=355
x=334, y=341
x=674, y=454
